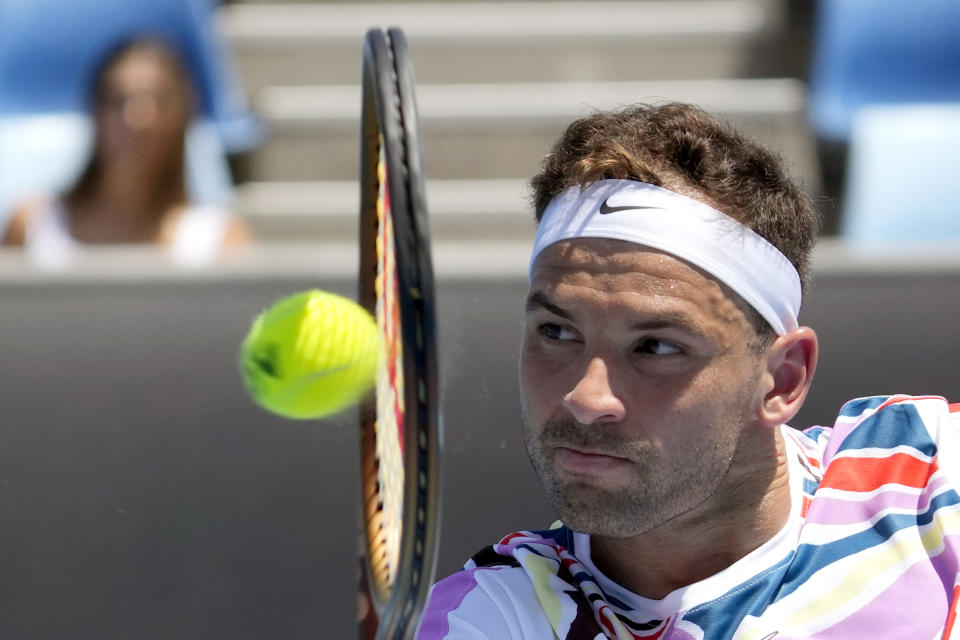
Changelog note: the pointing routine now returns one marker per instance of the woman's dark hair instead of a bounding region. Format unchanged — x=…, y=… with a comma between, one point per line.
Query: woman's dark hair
x=156, y=46
x=168, y=55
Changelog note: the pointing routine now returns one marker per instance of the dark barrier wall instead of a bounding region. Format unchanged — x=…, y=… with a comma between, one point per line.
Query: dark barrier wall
x=142, y=495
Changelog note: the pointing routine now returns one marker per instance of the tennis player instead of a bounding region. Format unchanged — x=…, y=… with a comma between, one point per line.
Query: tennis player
x=661, y=361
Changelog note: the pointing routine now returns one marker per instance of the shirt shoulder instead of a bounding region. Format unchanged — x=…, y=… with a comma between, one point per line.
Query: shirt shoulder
x=911, y=441
x=484, y=603
x=876, y=540
x=924, y=424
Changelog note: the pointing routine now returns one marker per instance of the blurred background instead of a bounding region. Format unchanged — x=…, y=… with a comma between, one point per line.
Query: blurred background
x=142, y=494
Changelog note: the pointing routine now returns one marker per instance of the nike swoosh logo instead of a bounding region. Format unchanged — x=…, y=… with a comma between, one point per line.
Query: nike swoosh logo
x=605, y=208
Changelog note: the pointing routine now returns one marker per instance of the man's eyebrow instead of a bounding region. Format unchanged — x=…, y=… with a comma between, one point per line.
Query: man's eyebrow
x=539, y=300
x=670, y=321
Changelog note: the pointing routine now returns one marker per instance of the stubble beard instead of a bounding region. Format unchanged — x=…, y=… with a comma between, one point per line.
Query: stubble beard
x=660, y=487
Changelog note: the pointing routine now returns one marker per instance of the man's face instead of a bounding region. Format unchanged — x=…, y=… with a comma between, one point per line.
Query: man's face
x=143, y=111
x=638, y=377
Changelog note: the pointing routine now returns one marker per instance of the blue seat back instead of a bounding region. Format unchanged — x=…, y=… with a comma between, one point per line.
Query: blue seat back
x=881, y=51
x=49, y=50
x=903, y=182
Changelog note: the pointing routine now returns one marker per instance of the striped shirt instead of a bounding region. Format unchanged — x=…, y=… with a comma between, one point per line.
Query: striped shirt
x=871, y=549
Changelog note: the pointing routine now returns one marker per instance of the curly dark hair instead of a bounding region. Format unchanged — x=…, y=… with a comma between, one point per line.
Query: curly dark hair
x=682, y=148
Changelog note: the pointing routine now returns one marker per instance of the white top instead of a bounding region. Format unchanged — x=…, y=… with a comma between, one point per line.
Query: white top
x=197, y=238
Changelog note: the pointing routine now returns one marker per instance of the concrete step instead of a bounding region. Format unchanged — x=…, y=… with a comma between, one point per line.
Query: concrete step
x=301, y=44
x=327, y=211
x=501, y=131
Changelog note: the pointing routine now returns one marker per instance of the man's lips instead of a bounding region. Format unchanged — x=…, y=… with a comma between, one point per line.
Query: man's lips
x=587, y=462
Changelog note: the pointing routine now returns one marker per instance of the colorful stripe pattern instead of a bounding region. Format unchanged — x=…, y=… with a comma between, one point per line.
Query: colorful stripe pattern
x=878, y=554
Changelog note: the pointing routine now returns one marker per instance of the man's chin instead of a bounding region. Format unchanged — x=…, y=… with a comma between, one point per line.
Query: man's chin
x=622, y=512
x=592, y=490
x=590, y=509
x=602, y=525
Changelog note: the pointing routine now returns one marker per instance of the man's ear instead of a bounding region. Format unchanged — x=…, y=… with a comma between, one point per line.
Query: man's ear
x=791, y=362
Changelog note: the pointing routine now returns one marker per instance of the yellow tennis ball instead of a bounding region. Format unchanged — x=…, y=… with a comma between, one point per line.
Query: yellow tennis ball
x=310, y=355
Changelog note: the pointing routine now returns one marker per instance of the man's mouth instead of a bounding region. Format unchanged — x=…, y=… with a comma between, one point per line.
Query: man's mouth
x=588, y=462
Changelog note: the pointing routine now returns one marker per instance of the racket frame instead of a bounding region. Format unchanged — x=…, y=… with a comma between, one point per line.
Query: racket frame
x=389, y=114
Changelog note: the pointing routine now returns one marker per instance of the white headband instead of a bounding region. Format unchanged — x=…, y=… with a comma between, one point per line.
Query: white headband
x=667, y=221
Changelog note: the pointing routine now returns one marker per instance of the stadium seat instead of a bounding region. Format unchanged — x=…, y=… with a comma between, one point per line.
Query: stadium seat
x=903, y=186
x=868, y=52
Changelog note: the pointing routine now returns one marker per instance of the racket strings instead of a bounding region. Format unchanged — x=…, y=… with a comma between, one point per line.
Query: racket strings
x=385, y=500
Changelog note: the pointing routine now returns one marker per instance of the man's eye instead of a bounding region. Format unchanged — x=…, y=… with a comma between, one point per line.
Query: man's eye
x=657, y=347
x=552, y=331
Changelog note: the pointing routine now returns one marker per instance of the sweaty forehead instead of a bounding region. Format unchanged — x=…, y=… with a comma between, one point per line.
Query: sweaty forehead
x=602, y=267
x=616, y=263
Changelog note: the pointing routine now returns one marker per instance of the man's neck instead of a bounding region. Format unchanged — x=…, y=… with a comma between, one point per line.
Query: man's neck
x=701, y=543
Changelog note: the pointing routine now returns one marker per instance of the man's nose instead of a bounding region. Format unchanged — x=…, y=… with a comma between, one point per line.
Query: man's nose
x=592, y=400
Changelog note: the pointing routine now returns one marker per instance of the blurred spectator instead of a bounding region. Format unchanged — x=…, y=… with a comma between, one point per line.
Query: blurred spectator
x=133, y=187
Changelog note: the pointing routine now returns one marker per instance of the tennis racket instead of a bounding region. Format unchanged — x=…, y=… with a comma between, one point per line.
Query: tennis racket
x=400, y=429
